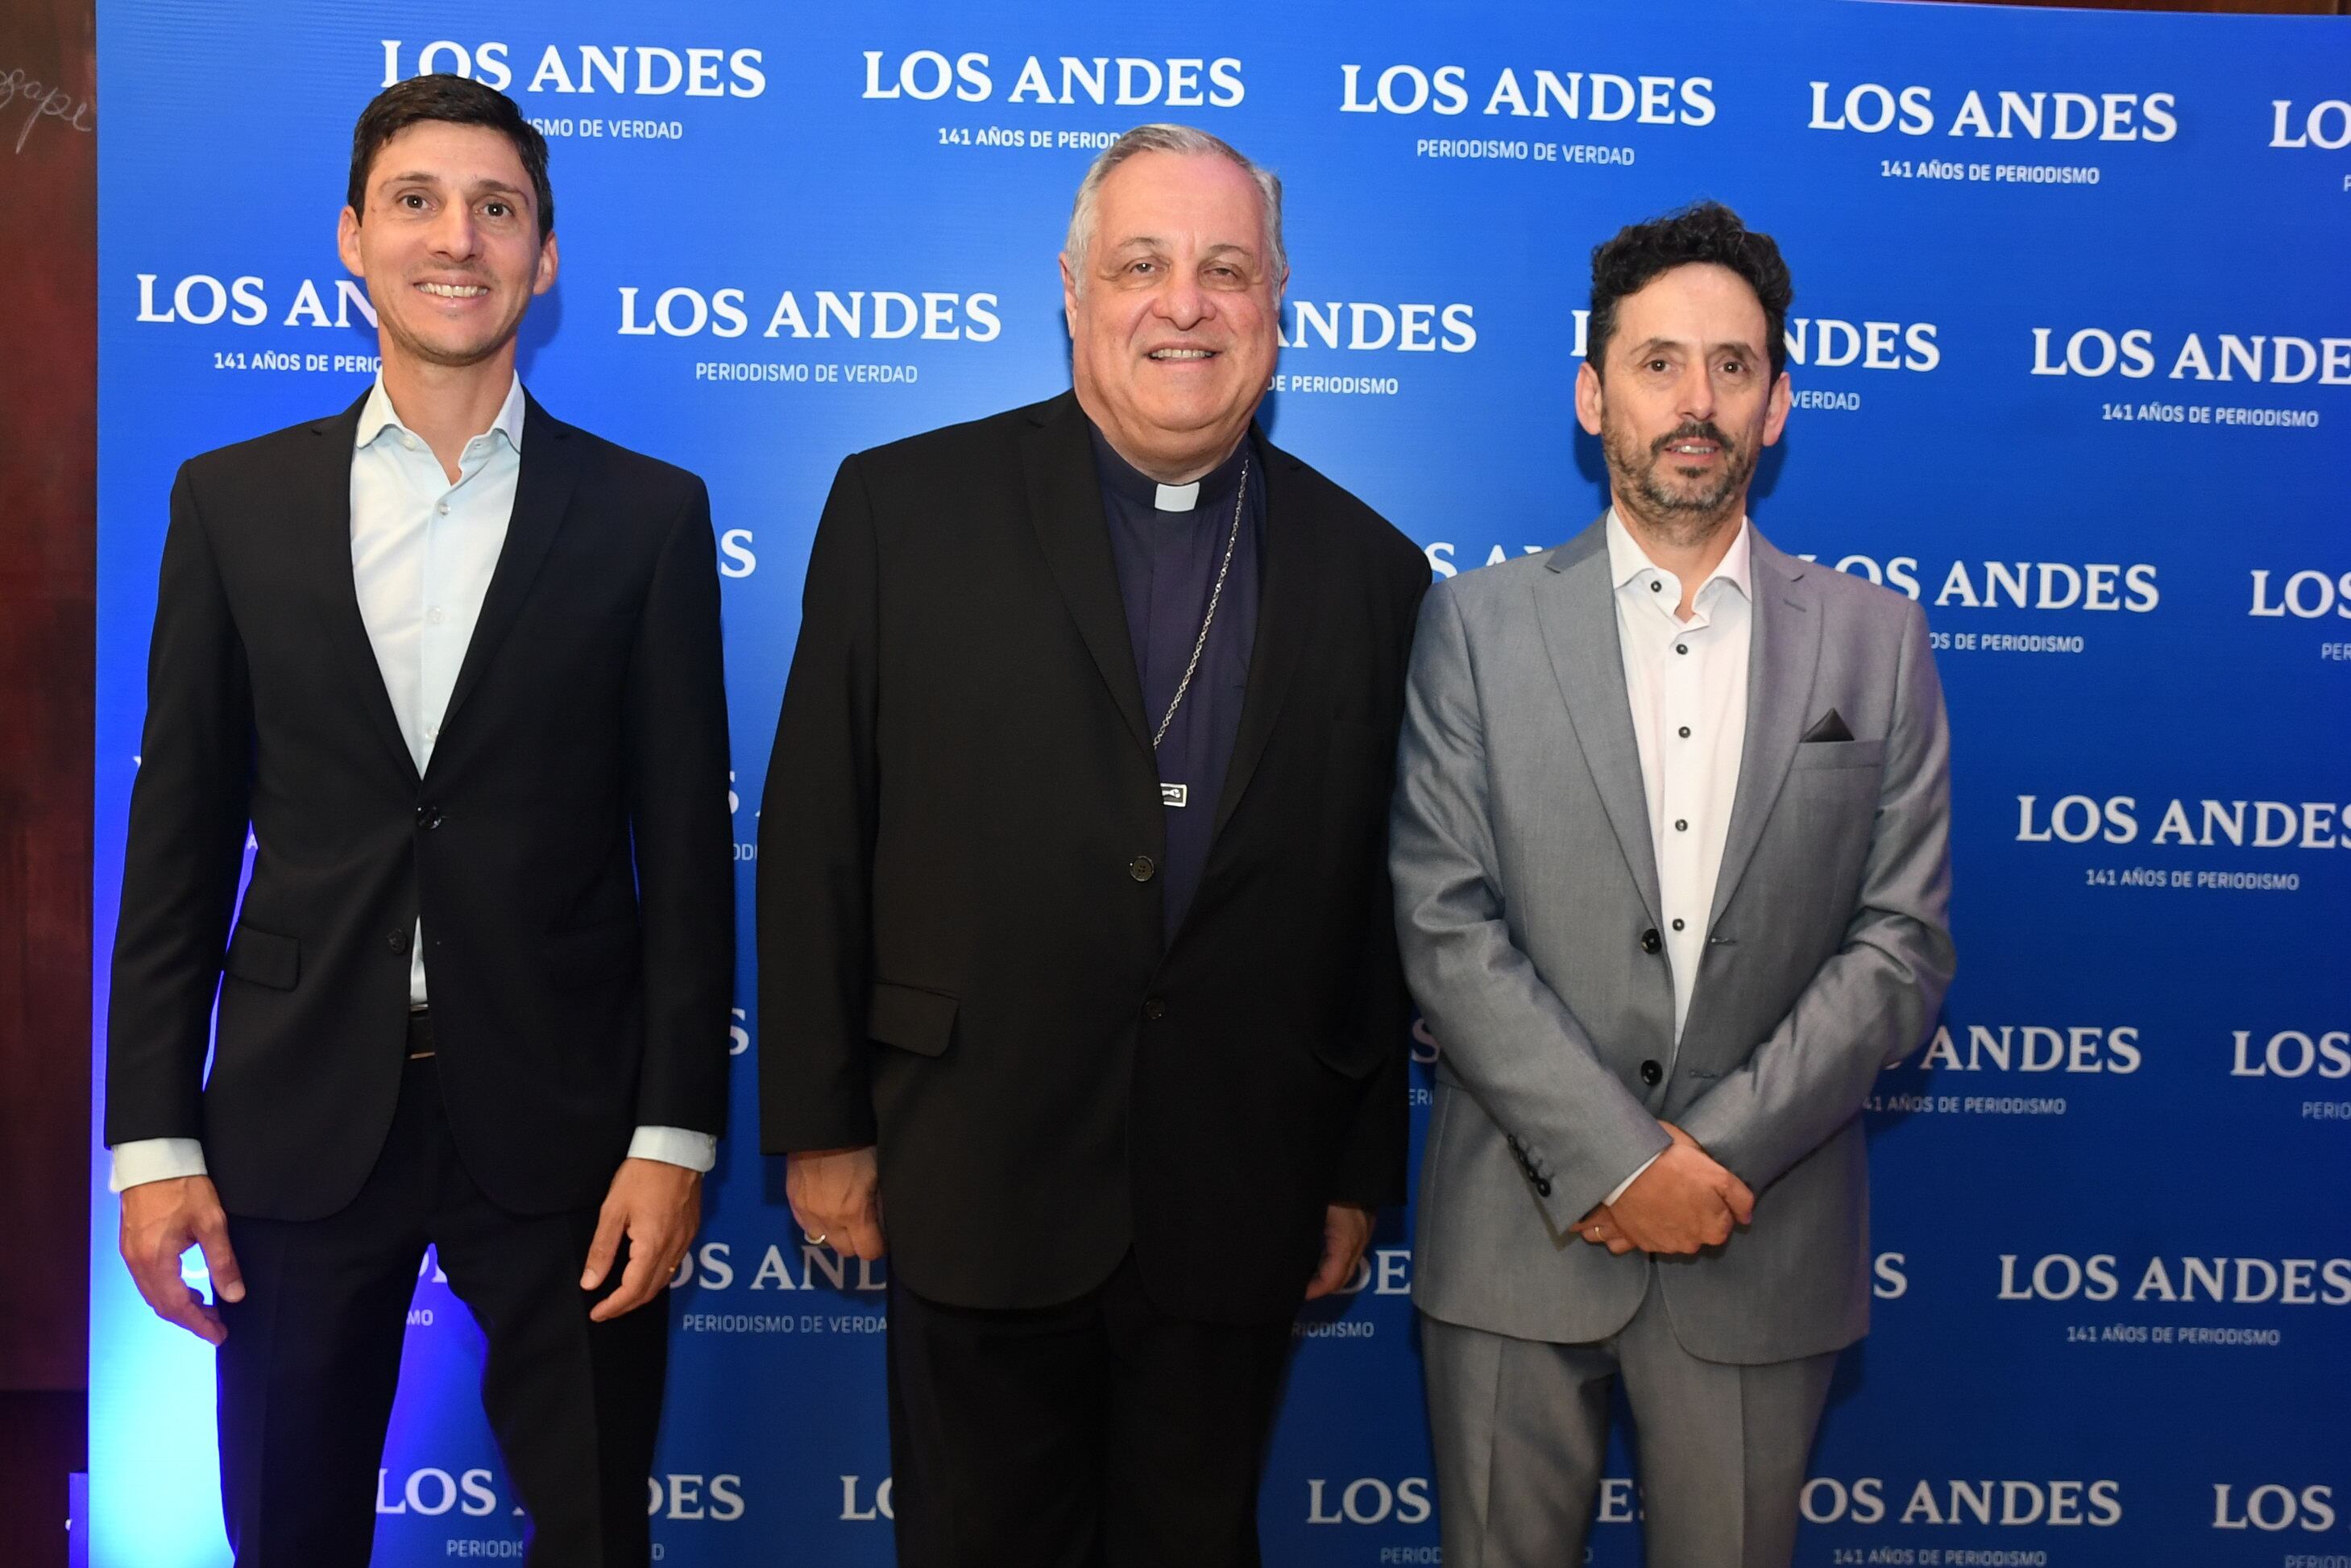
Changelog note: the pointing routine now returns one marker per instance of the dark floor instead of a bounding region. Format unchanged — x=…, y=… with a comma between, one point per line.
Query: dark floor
x=44, y=1438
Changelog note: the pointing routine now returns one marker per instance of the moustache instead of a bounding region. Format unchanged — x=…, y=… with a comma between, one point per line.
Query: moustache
x=1693, y=430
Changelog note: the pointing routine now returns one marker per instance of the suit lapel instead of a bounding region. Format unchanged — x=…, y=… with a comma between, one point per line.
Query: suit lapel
x=1065, y=509
x=321, y=491
x=1287, y=588
x=550, y=468
x=1575, y=605
x=1785, y=647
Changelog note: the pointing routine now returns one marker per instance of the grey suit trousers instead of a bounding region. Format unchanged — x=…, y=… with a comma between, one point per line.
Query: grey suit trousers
x=1521, y=1430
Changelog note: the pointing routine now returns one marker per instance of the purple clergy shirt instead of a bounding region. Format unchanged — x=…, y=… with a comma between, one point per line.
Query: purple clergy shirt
x=1166, y=564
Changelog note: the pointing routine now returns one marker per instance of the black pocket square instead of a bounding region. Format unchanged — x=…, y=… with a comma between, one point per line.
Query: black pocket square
x=1830, y=725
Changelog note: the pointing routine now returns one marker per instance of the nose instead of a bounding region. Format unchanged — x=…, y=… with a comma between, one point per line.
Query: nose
x=454, y=234
x=1181, y=302
x=1694, y=398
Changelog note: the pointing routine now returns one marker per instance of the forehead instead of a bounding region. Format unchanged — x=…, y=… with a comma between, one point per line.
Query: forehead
x=1204, y=196
x=452, y=154
x=1699, y=301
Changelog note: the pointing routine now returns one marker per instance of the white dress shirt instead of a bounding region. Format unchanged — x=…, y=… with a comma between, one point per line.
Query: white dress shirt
x=423, y=551
x=1686, y=683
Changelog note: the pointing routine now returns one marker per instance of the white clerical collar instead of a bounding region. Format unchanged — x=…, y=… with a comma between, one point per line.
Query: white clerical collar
x=1179, y=497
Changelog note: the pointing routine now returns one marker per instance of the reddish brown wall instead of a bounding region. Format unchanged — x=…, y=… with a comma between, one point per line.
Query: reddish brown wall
x=49, y=460
x=49, y=454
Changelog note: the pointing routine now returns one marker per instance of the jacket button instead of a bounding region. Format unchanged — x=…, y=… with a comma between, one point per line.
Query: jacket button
x=397, y=941
x=1141, y=867
x=428, y=816
x=1154, y=1007
x=1543, y=1187
x=1651, y=1072
x=1651, y=941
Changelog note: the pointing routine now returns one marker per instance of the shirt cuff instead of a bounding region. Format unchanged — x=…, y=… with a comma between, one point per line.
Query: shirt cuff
x=675, y=1147
x=142, y=1160
x=1618, y=1190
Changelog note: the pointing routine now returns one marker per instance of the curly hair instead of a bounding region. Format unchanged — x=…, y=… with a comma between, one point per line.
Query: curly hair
x=1703, y=232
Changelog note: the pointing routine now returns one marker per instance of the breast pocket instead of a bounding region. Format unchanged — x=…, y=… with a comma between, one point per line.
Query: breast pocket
x=1832, y=754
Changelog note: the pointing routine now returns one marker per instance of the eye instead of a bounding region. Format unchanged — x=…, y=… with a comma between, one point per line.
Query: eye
x=1734, y=367
x=412, y=200
x=498, y=209
x=1656, y=363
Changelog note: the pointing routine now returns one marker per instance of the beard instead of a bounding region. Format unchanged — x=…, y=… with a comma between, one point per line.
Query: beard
x=1687, y=508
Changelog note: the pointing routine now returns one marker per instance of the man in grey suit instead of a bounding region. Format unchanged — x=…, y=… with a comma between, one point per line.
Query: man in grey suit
x=1671, y=861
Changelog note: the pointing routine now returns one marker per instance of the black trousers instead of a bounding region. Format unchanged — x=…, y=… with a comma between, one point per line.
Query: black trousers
x=312, y=1359
x=1096, y=1434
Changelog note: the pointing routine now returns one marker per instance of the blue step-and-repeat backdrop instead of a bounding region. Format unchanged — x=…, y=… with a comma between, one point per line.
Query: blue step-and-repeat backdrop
x=2071, y=347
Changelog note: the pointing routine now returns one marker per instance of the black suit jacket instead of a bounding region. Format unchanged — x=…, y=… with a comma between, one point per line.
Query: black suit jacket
x=569, y=848
x=961, y=952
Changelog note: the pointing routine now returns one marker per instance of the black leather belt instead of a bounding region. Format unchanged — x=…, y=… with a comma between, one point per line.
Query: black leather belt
x=420, y=1033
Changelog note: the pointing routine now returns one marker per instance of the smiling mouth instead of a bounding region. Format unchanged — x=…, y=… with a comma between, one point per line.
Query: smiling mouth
x=1182, y=354
x=454, y=290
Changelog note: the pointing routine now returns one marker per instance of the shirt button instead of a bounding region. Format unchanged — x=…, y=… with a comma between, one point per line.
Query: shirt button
x=1677, y=925
x=1681, y=647
x=408, y=440
x=1141, y=867
x=1685, y=732
x=434, y=615
x=1681, y=824
x=1656, y=587
x=432, y=732
x=442, y=508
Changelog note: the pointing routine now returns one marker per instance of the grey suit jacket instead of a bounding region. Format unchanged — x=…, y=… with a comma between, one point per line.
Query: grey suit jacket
x=1527, y=902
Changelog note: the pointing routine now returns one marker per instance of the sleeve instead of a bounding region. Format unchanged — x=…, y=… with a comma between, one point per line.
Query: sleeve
x=185, y=847
x=142, y=1160
x=675, y=1147
x=1372, y=1162
x=1874, y=1000
x=675, y=719
x=1506, y=1036
x=817, y=823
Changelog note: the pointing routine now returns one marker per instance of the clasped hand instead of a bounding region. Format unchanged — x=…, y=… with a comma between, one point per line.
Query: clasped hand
x=1685, y=1201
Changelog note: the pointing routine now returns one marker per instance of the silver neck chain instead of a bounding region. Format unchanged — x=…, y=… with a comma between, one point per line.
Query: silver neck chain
x=1240, y=499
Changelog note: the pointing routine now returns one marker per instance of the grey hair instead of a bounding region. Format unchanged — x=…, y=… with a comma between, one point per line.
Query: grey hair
x=1181, y=139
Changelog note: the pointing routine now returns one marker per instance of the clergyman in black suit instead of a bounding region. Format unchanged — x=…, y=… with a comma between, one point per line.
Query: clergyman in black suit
x=1076, y=971
x=456, y=666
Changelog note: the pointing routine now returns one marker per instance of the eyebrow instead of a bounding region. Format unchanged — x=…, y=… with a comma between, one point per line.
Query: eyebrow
x=1153, y=242
x=1740, y=344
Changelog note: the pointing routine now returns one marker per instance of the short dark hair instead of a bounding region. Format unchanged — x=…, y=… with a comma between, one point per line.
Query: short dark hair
x=1703, y=232
x=457, y=100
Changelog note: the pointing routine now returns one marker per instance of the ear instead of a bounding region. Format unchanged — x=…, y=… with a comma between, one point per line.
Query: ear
x=1775, y=409
x=1069, y=295
x=347, y=242
x=1591, y=399
x=548, y=263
